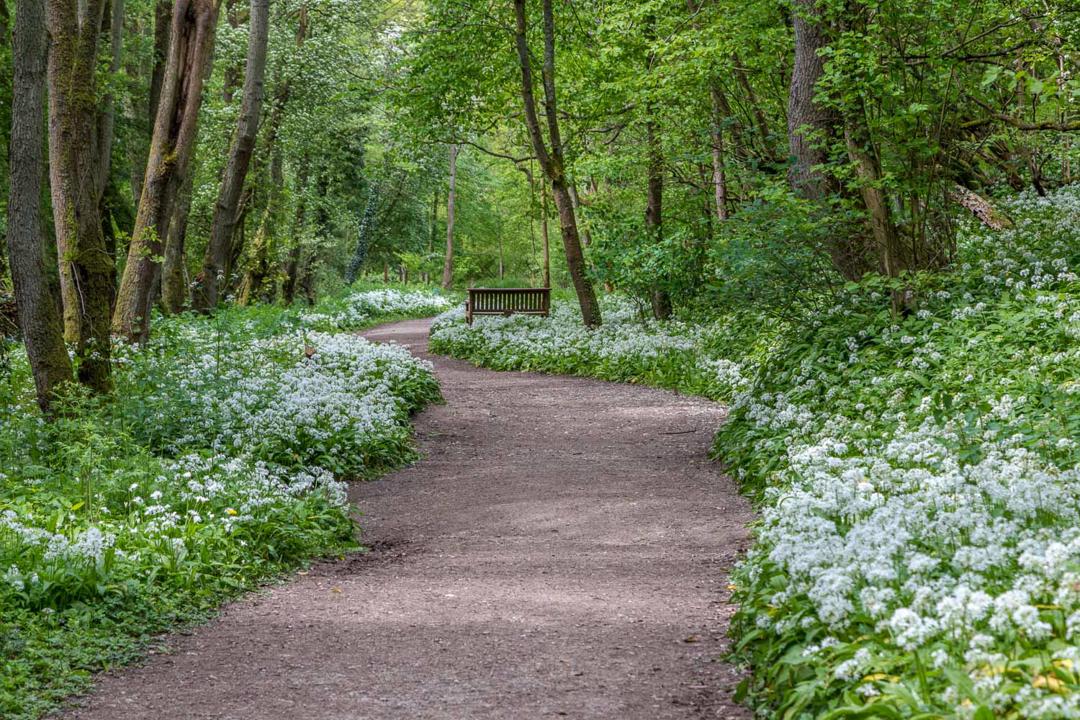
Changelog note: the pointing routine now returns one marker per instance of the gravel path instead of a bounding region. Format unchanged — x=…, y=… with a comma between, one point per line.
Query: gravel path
x=560, y=551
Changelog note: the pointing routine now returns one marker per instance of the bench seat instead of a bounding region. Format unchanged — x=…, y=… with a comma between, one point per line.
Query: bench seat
x=507, y=301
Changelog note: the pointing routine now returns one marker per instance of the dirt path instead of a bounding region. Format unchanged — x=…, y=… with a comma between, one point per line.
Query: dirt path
x=561, y=551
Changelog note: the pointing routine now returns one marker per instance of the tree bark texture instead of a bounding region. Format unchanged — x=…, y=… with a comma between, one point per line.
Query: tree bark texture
x=223, y=228
x=812, y=129
x=86, y=268
x=810, y=126
x=190, y=54
x=39, y=317
x=174, y=293
x=890, y=252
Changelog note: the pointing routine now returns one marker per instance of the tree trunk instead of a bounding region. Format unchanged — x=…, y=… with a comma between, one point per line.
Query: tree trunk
x=292, y=263
x=986, y=212
x=107, y=113
x=654, y=183
x=5, y=144
x=586, y=236
x=139, y=144
x=174, y=272
x=190, y=54
x=654, y=211
x=719, y=175
x=258, y=282
x=553, y=162
x=811, y=128
x=232, y=183
x=889, y=251
x=451, y=199
x=545, y=236
x=809, y=125
x=39, y=317
x=163, y=19
x=86, y=273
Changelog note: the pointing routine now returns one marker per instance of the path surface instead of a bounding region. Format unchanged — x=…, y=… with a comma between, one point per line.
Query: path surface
x=561, y=551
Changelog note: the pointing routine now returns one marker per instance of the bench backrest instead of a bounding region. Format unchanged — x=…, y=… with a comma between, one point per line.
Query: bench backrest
x=507, y=301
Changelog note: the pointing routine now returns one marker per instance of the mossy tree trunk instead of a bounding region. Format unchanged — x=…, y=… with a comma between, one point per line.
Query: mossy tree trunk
x=86, y=268
x=39, y=317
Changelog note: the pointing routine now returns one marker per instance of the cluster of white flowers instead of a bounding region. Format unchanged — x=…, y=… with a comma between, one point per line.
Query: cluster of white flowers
x=345, y=395
x=255, y=423
x=885, y=518
x=625, y=341
x=360, y=308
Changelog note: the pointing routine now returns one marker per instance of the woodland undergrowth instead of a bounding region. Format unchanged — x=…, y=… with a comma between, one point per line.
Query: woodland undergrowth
x=918, y=550
x=218, y=463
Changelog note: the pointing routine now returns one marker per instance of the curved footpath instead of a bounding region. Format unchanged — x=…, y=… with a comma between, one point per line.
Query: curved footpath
x=561, y=551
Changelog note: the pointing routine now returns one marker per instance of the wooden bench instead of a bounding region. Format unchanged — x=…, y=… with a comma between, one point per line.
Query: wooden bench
x=507, y=301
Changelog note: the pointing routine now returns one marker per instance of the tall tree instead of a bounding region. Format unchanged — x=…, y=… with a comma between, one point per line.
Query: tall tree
x=810, y=125
x=813, y=127
x=219, y=248
x=451, y=201
x=654, y=183
x=296, y=247
x=552, y=159
x=86, y=268
x=190, y=54
x=38, y=316
x=142, y=110
x=654, y=209
x=716, y=132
